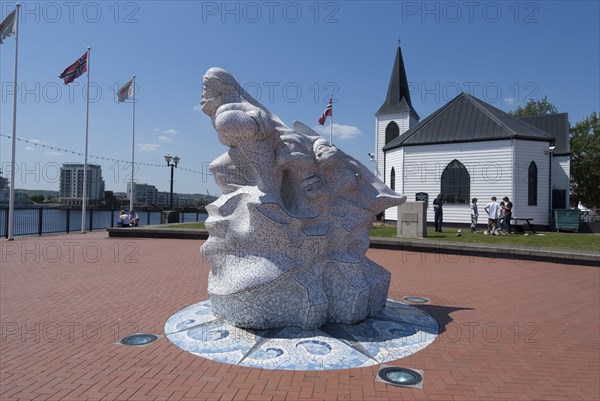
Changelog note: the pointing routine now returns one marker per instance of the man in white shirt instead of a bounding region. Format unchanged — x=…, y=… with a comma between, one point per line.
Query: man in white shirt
x=493, y=211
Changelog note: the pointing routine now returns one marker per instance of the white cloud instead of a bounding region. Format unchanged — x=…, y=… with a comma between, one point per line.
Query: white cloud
x=510, y=100
x=340, y=131
x=197, y=107
x=34, y=143
x=148, y=147
x=54, y=153
x=169, y=131
x=165, y=138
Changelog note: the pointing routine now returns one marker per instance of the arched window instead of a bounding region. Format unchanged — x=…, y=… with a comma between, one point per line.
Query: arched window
x=391, y=132
x=393, y=179
x=456, y=183
x=532, y=184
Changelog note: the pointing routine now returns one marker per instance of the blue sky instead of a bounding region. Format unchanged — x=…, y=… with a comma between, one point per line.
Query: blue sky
x=290, y=55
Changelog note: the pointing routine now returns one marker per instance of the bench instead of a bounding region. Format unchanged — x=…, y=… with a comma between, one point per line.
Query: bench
x=527, y=221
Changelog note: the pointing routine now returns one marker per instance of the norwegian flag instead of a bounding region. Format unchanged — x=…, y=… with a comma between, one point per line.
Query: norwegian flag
x=75, y=70
x=326, y=113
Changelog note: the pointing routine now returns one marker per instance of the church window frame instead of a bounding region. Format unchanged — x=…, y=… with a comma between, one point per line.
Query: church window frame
x=392, y=131
x=456, y=183
x=532, y=184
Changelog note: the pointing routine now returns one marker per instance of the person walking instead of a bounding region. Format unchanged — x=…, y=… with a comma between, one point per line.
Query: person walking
x=508, y=205
x=438, y=212
x=493, y=211
x=474, y=215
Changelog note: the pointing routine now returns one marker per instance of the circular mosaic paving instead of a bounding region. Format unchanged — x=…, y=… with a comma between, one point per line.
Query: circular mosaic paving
x=398, y=331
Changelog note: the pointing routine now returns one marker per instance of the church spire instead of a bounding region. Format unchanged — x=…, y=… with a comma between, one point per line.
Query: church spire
x=398, y=95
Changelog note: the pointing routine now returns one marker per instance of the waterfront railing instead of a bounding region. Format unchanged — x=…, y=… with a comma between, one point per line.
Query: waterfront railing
x=45, y=220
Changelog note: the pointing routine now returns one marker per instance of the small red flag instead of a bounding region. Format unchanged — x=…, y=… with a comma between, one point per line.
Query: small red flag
x=75, y=70
x=326, y=113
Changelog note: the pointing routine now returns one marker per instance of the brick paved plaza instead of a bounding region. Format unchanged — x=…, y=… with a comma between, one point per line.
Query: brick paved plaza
x=510, y=330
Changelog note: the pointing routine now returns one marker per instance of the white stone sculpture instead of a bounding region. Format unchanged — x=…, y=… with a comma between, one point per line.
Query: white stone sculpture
x=288, y=236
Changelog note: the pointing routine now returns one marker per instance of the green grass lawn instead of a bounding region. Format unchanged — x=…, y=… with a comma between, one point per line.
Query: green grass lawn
x=562, y=240
x=557, y=240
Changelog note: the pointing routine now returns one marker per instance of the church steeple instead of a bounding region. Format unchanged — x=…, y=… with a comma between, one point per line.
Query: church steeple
x=398, y=94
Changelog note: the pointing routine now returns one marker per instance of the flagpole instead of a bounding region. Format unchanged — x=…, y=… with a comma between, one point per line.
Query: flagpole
x=331, y=121
x=331, y=128
x=11, y=201
x=85, y=157
x=132, y=147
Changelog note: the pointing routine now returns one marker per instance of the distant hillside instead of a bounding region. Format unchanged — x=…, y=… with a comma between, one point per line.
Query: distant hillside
x=33, y=192
x=208, y=198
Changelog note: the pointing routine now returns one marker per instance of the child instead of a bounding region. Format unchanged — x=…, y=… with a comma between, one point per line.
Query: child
x=501, y=218
x=474, y=215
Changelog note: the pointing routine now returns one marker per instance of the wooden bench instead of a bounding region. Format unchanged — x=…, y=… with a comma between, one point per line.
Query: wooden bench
x=527, y=221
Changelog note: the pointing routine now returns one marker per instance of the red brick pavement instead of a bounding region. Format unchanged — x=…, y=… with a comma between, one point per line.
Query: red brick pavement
x=512, y=330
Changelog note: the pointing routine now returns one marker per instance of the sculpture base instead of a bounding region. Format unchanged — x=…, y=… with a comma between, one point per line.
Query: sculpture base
x=336, y=292
x=398, y=331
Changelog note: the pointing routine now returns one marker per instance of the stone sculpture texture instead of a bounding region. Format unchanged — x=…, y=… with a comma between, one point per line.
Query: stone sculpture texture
x=288, y=236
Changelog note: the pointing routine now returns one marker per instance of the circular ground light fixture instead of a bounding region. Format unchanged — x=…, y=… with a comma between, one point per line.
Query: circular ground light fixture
x=139, y=339
x=416, y=300
x=400, y=376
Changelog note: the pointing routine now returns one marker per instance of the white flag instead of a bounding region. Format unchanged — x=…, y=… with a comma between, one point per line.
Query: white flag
x=8, y=26
x=126, y=92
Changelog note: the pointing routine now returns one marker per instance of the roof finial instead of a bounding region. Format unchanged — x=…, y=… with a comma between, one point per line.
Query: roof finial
x=398, y=41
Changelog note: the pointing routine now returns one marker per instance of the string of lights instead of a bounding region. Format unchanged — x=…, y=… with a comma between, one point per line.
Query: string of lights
x=57, y=148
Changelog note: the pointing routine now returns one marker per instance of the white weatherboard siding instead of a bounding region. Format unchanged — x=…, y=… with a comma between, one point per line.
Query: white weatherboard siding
x=489, y=164
x=561, y=175
x=525, y=153
x=394, y=159
x=378, y=152
x=404, y=123
x=381, y=125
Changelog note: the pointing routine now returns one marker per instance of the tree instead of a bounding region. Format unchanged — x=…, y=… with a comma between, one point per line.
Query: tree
x=585, y=162
x=535, y=108
x=37, y=198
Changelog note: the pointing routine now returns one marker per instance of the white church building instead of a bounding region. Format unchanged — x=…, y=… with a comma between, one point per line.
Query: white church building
x=470, y=149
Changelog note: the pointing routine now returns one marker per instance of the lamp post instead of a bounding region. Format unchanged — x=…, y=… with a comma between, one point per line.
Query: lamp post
x=172, y=161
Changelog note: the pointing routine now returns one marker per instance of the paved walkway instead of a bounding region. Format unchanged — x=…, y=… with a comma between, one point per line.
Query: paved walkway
x=511, y=329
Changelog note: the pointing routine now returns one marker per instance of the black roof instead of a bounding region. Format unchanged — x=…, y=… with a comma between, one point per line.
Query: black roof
x=398, y=94
x=556, y=125
x=467, y=119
